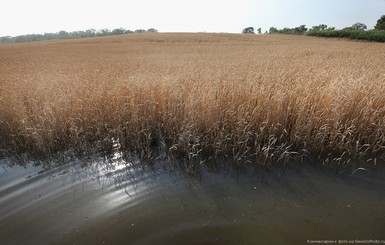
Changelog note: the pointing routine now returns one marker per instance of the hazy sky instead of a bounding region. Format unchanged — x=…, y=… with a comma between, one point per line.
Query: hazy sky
x=38, y=16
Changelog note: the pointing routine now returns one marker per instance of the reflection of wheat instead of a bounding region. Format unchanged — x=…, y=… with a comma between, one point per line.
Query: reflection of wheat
x=197, y=96
x=359, y=169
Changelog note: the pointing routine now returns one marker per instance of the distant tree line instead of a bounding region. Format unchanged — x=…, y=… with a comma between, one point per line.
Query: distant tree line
x=300, y=30
x=356, y=34
x=357, y=31
x=70, y=35
x=250, y=30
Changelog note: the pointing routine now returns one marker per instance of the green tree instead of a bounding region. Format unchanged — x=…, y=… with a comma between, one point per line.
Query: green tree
x=6, y=39
x=273, y=30
x=323, y=27
x=91, y=32
x=259, y=30
x=63, y=34
x=118, y=31
x=319, y=27
x=78, y=34
x=152, y=30
x=359, y=26
x=300, y=29
x=380, y=23
x=248, y=30
x=103, y=32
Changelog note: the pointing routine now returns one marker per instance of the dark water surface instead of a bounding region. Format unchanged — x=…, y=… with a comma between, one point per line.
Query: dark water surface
x=119, y=203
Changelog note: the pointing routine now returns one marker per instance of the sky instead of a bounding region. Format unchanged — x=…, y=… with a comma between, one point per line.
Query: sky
x=18, y=17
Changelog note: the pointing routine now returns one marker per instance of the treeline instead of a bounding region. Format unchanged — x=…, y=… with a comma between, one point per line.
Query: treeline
x=300, y=30
x=70, y=35
x=357, y=31
x=370, y=35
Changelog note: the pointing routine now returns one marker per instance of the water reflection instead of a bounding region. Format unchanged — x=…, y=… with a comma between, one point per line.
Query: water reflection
x=123, y=201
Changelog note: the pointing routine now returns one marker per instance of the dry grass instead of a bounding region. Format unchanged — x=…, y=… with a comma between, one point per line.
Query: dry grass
x=196, y=97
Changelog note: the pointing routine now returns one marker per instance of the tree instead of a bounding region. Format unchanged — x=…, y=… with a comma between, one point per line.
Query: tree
x=300, y=30
x=6, y=39
x=319, y=27
x=259, y=30
x=273, y=30
x=91, y=32
x=63, y=34
x=103, y=32
x=78, y=34
x=152, y=30
x=118, y=31
x=140, y=31
x=49, y=36
x=248, y=30
x=359, y=26
x=323, y=27
x=380, y=23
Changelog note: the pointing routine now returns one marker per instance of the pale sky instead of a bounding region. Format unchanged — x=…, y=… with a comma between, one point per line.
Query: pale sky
x=39, y=16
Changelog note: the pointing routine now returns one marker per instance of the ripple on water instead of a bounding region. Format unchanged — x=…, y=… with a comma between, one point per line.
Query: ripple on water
x=117, y=202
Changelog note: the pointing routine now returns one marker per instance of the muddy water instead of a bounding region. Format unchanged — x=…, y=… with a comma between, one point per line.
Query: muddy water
x=92, y=202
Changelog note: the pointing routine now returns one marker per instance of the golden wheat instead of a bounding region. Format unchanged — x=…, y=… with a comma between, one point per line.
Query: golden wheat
x=196, y=97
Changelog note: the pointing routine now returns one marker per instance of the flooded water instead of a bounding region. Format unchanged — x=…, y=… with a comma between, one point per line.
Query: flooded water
x=93, y=202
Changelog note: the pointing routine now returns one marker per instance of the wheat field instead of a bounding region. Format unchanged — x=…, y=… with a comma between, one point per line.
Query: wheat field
x=197, y=98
